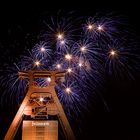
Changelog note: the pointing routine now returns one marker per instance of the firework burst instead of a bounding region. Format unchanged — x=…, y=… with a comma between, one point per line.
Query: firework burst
x=87, y=52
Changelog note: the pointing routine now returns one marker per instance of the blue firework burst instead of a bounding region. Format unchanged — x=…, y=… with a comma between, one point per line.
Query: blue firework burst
x=85, y=51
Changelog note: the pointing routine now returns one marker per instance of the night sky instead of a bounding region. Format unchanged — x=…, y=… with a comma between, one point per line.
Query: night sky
x=19, y=27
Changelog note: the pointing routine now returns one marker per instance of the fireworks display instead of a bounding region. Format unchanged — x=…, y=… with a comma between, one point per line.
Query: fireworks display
x=87, y=48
